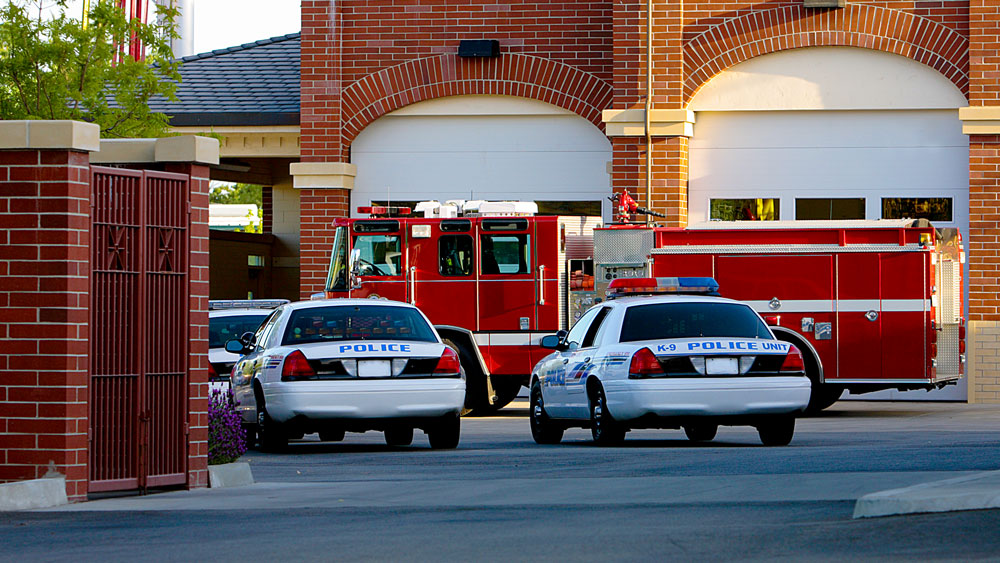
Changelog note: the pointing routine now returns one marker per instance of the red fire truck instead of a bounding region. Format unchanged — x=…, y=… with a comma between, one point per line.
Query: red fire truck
x=872, y=304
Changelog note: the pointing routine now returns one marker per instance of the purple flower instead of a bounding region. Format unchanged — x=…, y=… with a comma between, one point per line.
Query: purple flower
x=227, y=439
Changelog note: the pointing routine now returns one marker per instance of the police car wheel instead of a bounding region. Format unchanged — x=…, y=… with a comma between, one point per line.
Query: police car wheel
x=604, y=429
x=445, y=433
x=777, y=432
x=701, y=432
x=543, y=430
x=399, y=436
x=270, y=433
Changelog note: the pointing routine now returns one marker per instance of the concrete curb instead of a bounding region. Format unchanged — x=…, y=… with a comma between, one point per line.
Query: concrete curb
x=972, y=492
x=34, y=493
x=235, y=474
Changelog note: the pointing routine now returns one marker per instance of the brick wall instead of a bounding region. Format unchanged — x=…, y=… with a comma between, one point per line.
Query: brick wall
x=318, y=207
x=385, y=55
x=984, y=209
x=44, y=265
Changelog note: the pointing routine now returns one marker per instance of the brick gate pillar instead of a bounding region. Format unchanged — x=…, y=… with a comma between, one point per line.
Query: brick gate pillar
x=981, y=121
x=670, y=125
x=44, y=308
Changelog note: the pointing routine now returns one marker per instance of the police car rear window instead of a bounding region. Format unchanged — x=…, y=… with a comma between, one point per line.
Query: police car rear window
x=223, y=329
x=356, y=322
x=691, y=320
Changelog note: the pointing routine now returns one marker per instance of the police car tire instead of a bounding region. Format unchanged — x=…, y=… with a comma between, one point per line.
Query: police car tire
x=701, y=432
x=777, y=432
x=399, y=436
x=270, y=433
x=543, y=430
x=603, y=428
x=445, y=433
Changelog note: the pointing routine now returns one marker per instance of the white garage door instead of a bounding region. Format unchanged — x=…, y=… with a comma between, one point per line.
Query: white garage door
x=481, y=147
x=793, y=130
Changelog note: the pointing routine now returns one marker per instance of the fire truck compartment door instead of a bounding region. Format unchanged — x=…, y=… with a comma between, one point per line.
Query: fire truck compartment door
x=507, y=290
x=858, y=333
x=442, y=275
x=789, y=286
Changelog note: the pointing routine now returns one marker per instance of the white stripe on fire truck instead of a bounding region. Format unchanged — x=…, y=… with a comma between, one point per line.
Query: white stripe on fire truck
x=842, y=305
x=509, y=338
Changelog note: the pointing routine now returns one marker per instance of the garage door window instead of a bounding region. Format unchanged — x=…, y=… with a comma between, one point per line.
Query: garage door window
x=930, y=208
x=749, y=209
x=815, y=209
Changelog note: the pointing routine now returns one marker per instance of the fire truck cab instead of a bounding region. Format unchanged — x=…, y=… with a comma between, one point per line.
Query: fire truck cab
x=491, y=276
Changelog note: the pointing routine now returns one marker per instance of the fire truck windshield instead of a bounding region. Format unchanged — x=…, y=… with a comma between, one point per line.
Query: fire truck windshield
x=379, y=255
x=691, y=320
x=337, y=277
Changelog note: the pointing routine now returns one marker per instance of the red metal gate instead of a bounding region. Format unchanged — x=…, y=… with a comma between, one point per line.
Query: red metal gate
x=138, y=329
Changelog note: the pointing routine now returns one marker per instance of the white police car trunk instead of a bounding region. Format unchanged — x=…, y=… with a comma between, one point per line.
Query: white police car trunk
x=622, y=367
x=382, y=379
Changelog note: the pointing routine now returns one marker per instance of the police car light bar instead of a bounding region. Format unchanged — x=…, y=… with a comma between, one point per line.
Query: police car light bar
x=623, y=287
x=216, y=304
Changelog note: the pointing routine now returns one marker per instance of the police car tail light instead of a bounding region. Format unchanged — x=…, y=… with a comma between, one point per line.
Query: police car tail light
x=296, y=367
x=793, y=361
x=212, y=374
x=448, y=364
x=623, y=287
x=644, y=364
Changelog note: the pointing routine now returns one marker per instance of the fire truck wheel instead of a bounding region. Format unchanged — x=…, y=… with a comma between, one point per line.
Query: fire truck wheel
x=701, y=432
x=543, y=430
x=271, y=435
x=445, y=433
x=505, y=393
x=332, y=435
x=251, y=437
x=777, y=432
x=823, y=396
x=399, y=436
x=605, y=430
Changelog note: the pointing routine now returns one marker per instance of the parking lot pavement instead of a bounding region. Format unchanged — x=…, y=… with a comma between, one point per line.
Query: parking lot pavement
x=853, y=451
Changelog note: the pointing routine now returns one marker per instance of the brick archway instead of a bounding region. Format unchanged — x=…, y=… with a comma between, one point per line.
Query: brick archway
x=518, y=75
x=858, y=25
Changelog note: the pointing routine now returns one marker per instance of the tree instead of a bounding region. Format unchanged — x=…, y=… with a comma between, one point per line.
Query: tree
x=237, y=193
x=58, y=67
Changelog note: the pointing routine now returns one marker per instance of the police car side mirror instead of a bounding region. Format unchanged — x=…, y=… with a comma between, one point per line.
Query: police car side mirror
x=236, y=347
x=551, y=341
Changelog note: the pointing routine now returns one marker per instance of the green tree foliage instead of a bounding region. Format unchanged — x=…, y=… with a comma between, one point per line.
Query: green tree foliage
x=57, y=67
x=237, y=193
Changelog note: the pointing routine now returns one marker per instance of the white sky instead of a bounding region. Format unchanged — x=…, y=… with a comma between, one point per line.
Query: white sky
x=226, y=23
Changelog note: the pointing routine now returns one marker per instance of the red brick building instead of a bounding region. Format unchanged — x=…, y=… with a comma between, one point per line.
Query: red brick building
x=770, y=110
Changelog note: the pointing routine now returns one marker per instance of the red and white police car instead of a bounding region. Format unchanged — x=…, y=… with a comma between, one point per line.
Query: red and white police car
x=667, y=353
x=348, y=365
